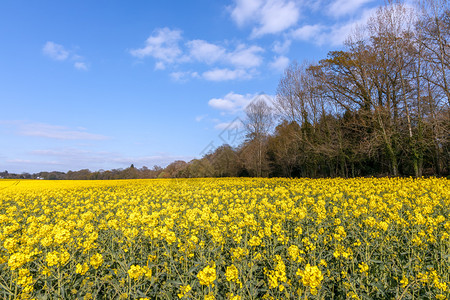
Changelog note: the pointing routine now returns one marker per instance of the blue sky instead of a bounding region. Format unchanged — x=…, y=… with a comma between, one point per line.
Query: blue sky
x=104, y=84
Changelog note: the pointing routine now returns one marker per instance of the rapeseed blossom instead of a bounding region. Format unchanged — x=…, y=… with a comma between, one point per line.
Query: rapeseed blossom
x=96, y=260
x=233, y=238
x=208, y=275
x=311, y=276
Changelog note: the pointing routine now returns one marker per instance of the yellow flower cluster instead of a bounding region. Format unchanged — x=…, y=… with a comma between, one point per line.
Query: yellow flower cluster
x=232, y=274
x=96, y=260
x=311, y=276
x=184, y=289
x=233, y=238
x=208, y=275
x=363, y=268
x=137, y=272
x=82, y=268
x=57, y=258
x=277, y=277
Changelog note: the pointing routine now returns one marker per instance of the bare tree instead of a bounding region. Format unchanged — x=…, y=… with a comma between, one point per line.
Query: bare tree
x=434, y=29
x=258, y=123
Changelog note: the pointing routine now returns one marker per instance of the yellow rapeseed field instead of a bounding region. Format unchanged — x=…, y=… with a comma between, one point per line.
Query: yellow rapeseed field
x=230, y=238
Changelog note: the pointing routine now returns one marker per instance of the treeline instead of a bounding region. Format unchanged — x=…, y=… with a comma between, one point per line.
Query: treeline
x=85, y=174
x=380, y=107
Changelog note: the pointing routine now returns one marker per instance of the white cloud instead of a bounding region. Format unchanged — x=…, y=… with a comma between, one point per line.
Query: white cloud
x=28, y=162
x=177, y=76
x=332, y=35
x=246, y=57
x=281, y=48
x=242, y=57
x=308, y=32
x=183, y=76
x=159, y=65
x=52, y=131
x=340, y=32
x=279, y=63
x=231, y=102
x=267, y=16
x=341, y=8
x=245, y=11
x=276, y=16
x=200, y=118
x=80, y=66
x=204, y=51
x=55, y=51
x=161, y=45
x=168, y=47
x=229, y=125
x=60, y=53
x=225, y=74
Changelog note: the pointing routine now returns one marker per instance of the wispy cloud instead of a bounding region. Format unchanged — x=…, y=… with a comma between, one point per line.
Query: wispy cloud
x=242, y=57
x=206, y=52
x=341, y=8
x=183, y=76
x=163, y=45
x=60, y=53
x=28, y=162
x=281, y=48
x=334, y=34
x=226, y=61
x=52, y=131
x=266, y=16
x=308, y=32
x=279, y=63
x=55, y=51
x=231, y=102
x=167, y=47
x=80, y=66
x=225, y=74
x=200, y=118
x=228, y=125
x=246, y=57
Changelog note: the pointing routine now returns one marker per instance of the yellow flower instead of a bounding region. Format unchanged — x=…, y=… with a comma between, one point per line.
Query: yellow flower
x=81, y=268
x=311, y=277
x=17, y=260
x=207, y=275
x=383, y=225
x=96, y=260
x=254, y=241
x=293, y=252
x=232, y=274
x=209, y=297
x=363, y=268
x=184, y=289
x=278, y=274
x=24, y=279
x=88, y=296
x=235, y=297
x=135, y=272
x=56, y=258
x=404, y=282
x=62, y=235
